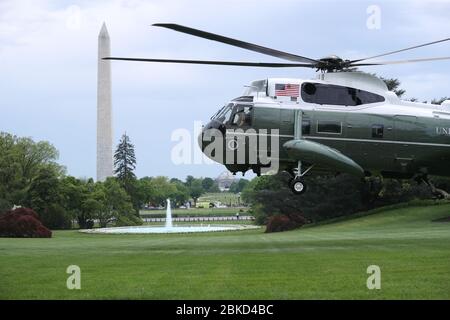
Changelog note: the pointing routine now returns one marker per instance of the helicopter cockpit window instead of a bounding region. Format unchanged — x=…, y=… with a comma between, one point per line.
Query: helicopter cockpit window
x=223, y=115
x=320, y=93
x=242, y=116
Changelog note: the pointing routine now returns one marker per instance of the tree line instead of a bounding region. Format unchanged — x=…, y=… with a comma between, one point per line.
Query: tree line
x=31, y=177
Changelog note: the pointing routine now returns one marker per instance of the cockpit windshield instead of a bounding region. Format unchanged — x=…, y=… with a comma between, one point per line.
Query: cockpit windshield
x=223, y=115
x=235, y=114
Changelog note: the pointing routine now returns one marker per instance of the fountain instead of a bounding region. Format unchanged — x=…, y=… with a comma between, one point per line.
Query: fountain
x=168, y=215
x=169, y=228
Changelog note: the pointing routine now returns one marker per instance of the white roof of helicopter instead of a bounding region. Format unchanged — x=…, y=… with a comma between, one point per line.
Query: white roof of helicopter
x=354, y=79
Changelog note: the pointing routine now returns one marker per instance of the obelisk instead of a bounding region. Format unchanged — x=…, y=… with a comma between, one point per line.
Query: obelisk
x=104, y=108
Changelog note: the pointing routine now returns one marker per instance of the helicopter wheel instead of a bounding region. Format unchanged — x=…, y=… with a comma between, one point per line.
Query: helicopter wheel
x=298, y=186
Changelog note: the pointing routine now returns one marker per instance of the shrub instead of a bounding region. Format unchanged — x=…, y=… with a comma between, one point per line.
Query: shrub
x=285, y=222
x=22, y=223
x=328, y=196
x=5, y=205
x=55, y=217
x=89, y=224
x=131, y=220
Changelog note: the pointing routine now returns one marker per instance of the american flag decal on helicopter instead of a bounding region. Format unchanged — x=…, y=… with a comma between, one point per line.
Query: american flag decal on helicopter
x=289, y=90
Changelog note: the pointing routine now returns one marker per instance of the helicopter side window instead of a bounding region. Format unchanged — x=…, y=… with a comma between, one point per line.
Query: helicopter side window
x=369, y=97
x=332, y=127
x=337, y=95
x=354, y=96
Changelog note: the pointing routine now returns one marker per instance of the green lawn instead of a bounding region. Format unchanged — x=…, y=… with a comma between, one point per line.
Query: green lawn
x=327, y=261
x=227, y=198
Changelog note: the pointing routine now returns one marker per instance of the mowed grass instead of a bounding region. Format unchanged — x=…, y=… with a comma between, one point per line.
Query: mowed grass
x=323, y=262
x=227, y=198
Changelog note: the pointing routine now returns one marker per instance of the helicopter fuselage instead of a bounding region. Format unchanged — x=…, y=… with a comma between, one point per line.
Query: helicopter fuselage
x=355, y=115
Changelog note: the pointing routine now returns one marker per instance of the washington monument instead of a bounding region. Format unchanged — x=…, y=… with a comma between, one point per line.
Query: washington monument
x=104, y=109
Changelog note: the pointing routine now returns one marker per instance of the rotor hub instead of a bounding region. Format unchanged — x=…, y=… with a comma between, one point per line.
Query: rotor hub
x=332, y=63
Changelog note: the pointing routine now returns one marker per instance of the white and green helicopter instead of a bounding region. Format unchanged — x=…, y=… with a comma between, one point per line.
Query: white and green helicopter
x=343, y=121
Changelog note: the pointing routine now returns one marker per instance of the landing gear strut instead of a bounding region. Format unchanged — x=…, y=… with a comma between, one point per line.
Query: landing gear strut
x=297, y=184
x=441, y=194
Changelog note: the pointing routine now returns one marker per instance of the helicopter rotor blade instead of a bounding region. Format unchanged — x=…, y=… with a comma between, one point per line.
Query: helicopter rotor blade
x=236, y=43
x=401, y=50
x=224, y=63
x=397, y=62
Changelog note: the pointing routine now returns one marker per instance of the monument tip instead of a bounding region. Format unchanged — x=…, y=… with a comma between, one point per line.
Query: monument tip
x=103, y=31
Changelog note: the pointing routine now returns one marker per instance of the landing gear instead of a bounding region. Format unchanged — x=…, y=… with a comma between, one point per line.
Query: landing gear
x=439, y=193
x=297, y=184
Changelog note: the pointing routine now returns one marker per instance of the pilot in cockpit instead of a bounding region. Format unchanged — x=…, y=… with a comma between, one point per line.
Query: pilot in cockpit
x=241, y=116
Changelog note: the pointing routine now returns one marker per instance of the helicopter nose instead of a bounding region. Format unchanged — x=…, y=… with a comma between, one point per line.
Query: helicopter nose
x=207, y=130
x=200, y=139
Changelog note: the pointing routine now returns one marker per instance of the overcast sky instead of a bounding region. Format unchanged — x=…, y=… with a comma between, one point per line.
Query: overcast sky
x=48, y=64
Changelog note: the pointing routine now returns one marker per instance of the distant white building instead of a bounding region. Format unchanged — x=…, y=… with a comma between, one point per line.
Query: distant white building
x=224, y=180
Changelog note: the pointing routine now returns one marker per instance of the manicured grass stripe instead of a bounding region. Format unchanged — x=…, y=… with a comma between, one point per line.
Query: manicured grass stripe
x=322, y=262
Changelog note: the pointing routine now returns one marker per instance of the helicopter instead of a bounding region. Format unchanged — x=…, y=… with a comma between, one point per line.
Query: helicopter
x=342, y=121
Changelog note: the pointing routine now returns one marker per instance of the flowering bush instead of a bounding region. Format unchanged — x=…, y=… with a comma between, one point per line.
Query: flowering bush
x=22, y=223
x=284, y=222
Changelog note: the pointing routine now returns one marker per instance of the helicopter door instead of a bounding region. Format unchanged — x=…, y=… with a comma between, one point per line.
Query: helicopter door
x=287, y=120
x=405, y=129
x=380, y=152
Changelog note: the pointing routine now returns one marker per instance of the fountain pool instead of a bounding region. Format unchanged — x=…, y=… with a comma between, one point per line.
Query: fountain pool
x=169, y=227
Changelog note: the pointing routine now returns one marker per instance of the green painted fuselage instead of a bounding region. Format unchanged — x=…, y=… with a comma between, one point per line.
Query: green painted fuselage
x=408, y=144
x=351, y=112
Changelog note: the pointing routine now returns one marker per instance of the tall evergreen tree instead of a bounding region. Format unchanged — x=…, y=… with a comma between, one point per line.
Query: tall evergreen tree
x=125, y=162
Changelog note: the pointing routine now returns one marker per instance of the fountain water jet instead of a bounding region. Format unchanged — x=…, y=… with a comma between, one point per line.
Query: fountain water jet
x=168, y=215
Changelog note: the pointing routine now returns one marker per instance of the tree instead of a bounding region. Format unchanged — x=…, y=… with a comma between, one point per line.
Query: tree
x=74, y=193
x=161, y=190
x=20, y=162
x=175, y=180
x=181, y=194
x=196, y=190
x=189, y=180
x=214, y=187
x=144, y=190
x=44, y=190
x=207, y=184
x=125, y=162
x=113, y=203
x=439, y=101
x=238, y=186
x=394, y=85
